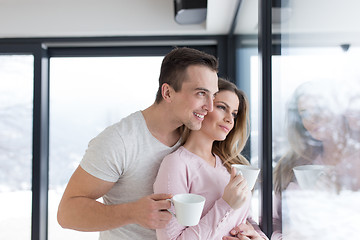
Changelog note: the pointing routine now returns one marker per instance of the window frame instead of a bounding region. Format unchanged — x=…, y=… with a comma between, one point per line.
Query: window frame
x=42, y=50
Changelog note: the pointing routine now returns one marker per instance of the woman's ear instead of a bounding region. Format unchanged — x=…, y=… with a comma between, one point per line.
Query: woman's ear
x=166, y=92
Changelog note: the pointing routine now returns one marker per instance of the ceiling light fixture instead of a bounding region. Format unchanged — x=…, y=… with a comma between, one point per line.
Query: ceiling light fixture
x=190, y=11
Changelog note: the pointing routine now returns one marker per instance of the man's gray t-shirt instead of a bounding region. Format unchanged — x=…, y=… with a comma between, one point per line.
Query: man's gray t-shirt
x=129, y=155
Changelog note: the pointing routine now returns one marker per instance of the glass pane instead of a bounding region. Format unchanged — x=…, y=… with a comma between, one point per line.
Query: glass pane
x=87, y=95
x=16, y=112
x=254, y=137
x=316, y=122
x=247, y=79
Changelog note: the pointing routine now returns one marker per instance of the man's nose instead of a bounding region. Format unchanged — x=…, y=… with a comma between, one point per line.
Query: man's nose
x=209, y=105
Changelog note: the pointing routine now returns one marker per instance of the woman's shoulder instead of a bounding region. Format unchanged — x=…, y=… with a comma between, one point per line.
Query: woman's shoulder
x=174, y=157
x=181, y=156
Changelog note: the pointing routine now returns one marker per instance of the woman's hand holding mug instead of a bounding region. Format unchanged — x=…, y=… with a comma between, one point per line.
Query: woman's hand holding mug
x=236, y=191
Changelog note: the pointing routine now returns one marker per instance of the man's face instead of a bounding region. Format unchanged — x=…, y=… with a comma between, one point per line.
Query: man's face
x=195, y=99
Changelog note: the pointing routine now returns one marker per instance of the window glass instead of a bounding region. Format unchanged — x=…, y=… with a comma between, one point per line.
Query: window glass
x=16, y=112
x=87, y=95
x=246, y=75
x=316, y=116
x=254, y=136
x=247, y=78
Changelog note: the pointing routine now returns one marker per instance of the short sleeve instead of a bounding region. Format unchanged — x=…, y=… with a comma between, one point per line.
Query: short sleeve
x=105, y=156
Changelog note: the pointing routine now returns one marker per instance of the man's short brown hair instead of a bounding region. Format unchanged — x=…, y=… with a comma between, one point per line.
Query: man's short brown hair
x=175, y=63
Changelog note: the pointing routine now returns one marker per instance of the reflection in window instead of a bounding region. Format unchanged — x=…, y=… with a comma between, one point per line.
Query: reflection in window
x=16, y=109
x=87, y=95
x=316, y=144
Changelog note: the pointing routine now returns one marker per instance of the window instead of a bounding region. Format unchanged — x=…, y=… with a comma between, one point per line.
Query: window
x=16, y=112
x=87, y=95
x=316, y=122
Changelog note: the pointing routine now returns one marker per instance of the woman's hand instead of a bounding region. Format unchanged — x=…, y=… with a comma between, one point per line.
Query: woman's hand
x=244, y=231
x=236, y=192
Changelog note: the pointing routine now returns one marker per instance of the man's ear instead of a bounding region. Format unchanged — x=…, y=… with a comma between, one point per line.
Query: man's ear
x=167, y=92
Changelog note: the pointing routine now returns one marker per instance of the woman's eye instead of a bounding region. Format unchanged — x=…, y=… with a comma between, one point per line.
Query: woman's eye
x=221, y=107
x=234, y=115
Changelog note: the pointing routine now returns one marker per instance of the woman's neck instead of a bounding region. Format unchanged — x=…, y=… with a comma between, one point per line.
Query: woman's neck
x=332, y=153
x=200, y=145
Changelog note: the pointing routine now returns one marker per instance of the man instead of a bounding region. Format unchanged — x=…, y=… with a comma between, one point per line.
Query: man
x=121, y=163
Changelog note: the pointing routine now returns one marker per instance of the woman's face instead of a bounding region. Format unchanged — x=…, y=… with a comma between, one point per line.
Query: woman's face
x=317, y=119
x=218, y=123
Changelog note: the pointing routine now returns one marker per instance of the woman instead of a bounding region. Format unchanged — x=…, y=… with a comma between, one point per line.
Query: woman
x=316, y=131
x=203, y=166
x=317, y=135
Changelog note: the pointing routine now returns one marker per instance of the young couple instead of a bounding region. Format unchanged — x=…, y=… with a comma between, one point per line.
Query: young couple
x=122, y=162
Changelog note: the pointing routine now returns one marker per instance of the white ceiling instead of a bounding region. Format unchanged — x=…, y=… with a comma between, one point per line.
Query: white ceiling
x=69, y=18
x=330, y=21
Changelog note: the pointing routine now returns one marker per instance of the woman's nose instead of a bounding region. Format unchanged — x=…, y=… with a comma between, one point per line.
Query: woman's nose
x=228, y=118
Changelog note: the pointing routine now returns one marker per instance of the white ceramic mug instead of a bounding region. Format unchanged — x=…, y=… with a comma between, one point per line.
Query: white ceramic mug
x=307, y=176
x=188, y=208
x=250, y=173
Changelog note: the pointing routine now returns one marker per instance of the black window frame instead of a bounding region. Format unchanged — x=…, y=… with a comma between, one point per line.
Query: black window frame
x=43, y=49
x=40, y=133
x=222, y=46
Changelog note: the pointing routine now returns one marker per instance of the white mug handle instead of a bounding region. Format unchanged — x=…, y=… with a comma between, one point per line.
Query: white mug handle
x=172, y=203
x=239, y=172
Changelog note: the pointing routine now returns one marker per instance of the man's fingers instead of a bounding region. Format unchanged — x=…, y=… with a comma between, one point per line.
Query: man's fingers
x=161, y=224
x=163, y=204
x=163, y=219
x=235, y=231
x=249, y=225
x=165, y=216
x=248, y=230
x=241, y=228
x=230, y=238
x=161, y=196
x=242, y=237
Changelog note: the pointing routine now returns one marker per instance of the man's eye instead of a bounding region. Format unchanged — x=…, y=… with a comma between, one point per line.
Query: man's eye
x=201, y=93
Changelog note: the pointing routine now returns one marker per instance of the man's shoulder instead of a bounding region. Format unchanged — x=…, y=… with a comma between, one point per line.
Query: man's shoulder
x=133, y=118
x=130, y=124
x=127, y=128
